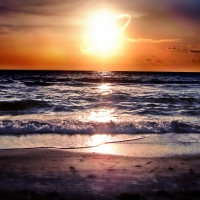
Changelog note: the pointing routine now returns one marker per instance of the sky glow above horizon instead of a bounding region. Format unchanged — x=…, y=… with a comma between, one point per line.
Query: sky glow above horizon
x=72, y=35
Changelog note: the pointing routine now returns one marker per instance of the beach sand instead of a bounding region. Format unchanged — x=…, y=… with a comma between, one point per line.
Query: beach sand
x=59, y=174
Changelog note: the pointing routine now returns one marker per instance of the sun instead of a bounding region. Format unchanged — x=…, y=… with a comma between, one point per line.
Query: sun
x=103, y=33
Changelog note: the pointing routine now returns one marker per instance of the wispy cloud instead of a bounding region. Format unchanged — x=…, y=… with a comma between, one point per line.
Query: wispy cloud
x=4, y=30
x=46, y=12
x=146, y=40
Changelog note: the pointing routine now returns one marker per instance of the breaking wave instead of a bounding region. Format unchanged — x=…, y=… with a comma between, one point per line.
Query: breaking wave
x=69, y=126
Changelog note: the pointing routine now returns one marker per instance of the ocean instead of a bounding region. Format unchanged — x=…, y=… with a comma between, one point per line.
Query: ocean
x=66, y=109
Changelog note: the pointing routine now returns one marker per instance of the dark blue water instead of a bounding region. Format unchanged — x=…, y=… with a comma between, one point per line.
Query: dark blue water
x=69, y=102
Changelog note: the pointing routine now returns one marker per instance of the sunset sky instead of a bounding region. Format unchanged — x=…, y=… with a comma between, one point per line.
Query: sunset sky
x=136, y=35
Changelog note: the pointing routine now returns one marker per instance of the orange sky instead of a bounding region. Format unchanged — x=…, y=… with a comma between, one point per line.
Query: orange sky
x=160, y=36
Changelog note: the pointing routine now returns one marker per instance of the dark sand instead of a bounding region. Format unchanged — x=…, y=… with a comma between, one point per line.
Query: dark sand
x=58, y=174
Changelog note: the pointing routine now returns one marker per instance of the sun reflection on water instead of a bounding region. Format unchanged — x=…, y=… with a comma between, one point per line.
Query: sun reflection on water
x=102, y=115
x=98, y=141
x=105, y=89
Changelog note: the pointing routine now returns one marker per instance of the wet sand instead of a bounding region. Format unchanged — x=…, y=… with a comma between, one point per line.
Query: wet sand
x=59, y=174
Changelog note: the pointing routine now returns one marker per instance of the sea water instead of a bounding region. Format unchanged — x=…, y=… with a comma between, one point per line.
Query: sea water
x=75, y=109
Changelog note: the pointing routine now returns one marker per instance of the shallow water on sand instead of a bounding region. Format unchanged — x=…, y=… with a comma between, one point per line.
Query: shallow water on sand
x=140, y=145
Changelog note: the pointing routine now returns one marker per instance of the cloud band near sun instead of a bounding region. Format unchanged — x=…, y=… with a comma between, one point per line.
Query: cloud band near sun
x=143, y=40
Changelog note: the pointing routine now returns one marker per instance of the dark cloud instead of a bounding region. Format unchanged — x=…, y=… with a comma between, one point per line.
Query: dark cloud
x=44, y=7
x=171, y=48
x=195, y=50
x=195, y=61
x=183, y=8
x=153, y=19
x=7, y=29
x=178, y=49
x=155, y=12
x=4, y=30
x=187, y=10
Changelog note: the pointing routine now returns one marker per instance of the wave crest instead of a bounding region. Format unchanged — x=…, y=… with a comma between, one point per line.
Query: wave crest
x=69, y=126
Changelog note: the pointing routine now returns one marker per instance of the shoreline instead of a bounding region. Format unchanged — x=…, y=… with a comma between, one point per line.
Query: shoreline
x=62, y=174
x=139, y=145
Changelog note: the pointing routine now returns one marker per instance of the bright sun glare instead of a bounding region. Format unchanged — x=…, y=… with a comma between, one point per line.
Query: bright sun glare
x=103, y=32
x=101, y=116
x=99, y=139
x=105, y=89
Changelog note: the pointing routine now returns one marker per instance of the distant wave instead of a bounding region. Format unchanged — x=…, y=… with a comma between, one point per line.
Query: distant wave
x=7, y=81
x=22, y=105
x=37, y=83
x=118, y=78
x=69, y=126
x=136, y=81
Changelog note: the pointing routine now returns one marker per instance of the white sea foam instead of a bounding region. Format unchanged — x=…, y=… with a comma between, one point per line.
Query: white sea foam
x=70, y=126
